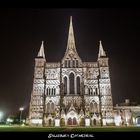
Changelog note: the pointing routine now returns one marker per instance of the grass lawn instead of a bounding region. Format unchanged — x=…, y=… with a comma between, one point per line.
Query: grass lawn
x=108, y=129
x=29, y=129
x=5, y=128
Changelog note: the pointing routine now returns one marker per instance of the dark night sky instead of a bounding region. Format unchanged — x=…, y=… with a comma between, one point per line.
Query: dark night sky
x=21, y=33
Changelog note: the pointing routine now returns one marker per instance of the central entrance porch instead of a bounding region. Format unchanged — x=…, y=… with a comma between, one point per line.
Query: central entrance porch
x=72, y=121
x=72, y=118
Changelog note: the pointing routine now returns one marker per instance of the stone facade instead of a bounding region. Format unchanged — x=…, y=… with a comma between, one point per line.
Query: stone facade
x=71, y=92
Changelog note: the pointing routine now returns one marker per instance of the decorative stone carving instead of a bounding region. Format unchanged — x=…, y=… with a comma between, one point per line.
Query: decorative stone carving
x=50, y=80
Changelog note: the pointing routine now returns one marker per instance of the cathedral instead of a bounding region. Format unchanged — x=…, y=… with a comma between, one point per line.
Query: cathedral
x=71, y=92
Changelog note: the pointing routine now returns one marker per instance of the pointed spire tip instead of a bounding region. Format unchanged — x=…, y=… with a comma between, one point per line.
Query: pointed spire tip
x=41, y=51
x=71, y=40
x=101, y=50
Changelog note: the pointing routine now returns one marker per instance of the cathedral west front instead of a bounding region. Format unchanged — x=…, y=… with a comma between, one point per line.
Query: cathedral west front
x=71, y=92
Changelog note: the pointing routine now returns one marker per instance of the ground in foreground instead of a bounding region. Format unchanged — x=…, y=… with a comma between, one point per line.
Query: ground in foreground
x=5, y=128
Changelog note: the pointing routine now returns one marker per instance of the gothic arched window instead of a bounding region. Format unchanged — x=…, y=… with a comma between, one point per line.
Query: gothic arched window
x=49, y=92
x=89, y=91
x=54, y=91
x=95, y=107
x=96, y=91
x=65, y=63
x=48, y=108
x=65, y=85
x=78, y=85
x=91, y=107
x=76, y=63
x=52, y=107
x=73, y=63
x=68, y=63
x=71, y=77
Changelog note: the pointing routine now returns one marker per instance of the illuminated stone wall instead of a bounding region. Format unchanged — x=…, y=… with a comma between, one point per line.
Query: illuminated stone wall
x=71, y=92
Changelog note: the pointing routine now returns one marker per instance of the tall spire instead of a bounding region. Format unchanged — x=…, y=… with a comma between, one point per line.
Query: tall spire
x=41, y=51
x=101, y=50
x=71, y=41
x=71, y=52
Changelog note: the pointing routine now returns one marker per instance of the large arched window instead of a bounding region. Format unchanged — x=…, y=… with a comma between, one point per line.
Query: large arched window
x=48, y=108
x=65, y=85
x=52, y=107
x=71, y=77
x=93, y=107
x=78, y=85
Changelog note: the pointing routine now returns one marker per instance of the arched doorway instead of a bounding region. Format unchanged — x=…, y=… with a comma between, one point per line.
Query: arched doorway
x=69, y=121
x=94, y=122
x=72, y=118
x=50, y=122
x=72, y=121
x=62, y=122
x=82, y=122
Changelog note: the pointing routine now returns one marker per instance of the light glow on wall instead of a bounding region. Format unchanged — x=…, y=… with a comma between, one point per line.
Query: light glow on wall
x=109, y=120
x=87, y=122
x=37, y=121
x=1, y=115
x=117, y=120
x=57, y=122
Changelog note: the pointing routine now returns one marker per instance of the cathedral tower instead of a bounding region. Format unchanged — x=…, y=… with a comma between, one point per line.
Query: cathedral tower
x=37, y=96
x=105, y=87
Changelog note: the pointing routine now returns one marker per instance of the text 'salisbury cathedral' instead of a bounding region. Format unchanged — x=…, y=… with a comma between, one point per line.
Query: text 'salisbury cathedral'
x=71, y=92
